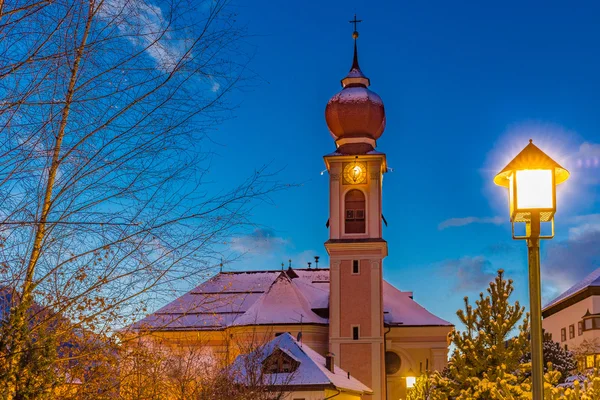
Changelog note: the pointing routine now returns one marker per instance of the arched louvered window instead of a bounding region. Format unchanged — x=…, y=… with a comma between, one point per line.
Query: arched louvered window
x=355, y=212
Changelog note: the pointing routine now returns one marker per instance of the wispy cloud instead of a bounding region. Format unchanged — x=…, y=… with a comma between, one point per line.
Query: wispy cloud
x=471, y=273
x=261, y=241
x=456, y=222
x=145, y=26
x=265, y=249
x=586, y=224
x=568, y=261
x=502, y=248
x=586, y=163
x=588, y=155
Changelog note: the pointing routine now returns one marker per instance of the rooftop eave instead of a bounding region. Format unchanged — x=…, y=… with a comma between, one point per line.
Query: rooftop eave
x=374, y=155
x=569, y=301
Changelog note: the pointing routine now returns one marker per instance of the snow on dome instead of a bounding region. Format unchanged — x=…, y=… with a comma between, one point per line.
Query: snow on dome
x=355, y=73
x=357, y=95
x=355, y=116
x=355, y=112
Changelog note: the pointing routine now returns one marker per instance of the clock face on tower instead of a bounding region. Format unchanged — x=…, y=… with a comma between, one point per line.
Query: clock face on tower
x=355, y=173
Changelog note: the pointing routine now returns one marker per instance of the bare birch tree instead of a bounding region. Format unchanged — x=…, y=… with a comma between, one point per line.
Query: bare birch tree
x=105, y=199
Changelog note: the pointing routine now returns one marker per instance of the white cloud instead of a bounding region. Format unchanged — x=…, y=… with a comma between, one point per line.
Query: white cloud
x=215, y=87
x=263, y=249
x=586, y=224
x=589, y=155
x=456, y=222
x=471, y=273
x=261, y=241
x=586, y=163
x=145, y=26
x=568, y=261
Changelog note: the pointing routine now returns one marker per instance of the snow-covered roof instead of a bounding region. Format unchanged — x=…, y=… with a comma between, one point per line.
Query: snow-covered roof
x=272, y=297
x=400, y=309
x=282, y=303
x=592, y=280
x=311, y=370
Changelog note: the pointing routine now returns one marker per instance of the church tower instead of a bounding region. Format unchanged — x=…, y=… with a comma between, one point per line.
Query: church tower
x=356, y=119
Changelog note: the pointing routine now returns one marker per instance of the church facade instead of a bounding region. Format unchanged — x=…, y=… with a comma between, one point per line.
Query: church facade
x=347, y=312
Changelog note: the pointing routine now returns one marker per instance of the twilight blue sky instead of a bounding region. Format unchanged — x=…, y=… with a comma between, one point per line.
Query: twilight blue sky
x=465, y=84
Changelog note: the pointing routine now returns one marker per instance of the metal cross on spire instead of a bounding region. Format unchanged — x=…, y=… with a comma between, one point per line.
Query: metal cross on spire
x=355, y=36
x=355, y=21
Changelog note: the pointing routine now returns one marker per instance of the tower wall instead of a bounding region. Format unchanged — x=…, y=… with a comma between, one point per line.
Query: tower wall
x=356, y=332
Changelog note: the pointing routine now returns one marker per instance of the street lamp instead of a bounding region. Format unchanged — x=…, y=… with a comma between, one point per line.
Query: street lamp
x=411, y=379
x=531, y=178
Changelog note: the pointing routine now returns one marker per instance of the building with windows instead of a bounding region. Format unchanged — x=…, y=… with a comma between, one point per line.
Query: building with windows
x=573, y=319
x=302, y=372
x=378, y=334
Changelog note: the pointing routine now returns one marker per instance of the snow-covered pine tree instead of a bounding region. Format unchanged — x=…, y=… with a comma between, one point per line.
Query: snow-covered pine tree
x=488, y=364
x=485, y=362
x=562, y=360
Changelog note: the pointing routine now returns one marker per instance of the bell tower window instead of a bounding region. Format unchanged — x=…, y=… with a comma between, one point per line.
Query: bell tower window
x=355, y=211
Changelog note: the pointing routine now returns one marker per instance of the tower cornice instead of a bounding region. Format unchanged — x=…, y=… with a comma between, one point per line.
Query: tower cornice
x=336, y=157
x=367, y=246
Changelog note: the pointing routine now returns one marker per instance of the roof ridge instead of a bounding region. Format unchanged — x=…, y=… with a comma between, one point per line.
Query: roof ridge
x=248, y=272
x=268, y=271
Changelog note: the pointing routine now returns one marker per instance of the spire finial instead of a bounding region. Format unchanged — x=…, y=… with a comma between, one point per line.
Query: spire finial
x=355, y=36
x=355, y=21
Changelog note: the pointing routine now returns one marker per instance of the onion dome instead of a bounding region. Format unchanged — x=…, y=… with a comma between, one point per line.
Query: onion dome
x=355, y=116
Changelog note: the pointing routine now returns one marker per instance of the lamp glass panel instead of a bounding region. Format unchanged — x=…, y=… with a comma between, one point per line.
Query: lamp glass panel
x=410, y=381
x=534, y=189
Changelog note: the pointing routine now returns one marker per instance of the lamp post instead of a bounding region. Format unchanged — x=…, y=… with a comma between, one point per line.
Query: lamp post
x=531, y=178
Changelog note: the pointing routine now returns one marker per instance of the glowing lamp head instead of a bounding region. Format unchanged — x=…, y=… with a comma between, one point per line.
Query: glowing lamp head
x=410, y=378
x=531, y=178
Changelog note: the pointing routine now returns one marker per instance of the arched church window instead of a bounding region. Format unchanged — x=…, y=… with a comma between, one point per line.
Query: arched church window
x=355, y=211
x=392, y=363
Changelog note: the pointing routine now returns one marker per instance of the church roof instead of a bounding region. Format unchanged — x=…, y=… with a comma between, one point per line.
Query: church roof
x=269, y=298
x=311, y=370
x=282, y=303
